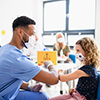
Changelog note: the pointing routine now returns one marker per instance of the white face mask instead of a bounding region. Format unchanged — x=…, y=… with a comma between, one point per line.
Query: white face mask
x=60, y=40
x=30, y=42
x=80, y=57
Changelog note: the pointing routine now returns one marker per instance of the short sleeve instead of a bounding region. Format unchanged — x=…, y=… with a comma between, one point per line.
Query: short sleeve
x=66, y=49
x=24, y=69
x=88, y=70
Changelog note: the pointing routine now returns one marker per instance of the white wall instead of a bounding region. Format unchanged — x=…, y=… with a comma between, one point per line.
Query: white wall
x=38, y=13
x=11, y=9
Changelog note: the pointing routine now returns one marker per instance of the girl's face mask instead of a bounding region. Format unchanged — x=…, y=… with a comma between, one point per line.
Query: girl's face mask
x=80, y=57
x=60, y=40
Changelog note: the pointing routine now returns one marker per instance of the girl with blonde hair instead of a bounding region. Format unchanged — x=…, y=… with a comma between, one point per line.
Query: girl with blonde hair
x=86, y=88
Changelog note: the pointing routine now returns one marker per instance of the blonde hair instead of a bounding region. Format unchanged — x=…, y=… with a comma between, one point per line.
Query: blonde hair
x=92, y=53
x=57, y=43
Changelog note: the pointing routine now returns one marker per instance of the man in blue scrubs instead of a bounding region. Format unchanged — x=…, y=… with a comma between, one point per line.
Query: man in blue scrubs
x=15, y=67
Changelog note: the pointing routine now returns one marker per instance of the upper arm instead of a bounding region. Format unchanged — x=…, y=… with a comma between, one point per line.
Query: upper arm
x=46, y=77
x=74, y=75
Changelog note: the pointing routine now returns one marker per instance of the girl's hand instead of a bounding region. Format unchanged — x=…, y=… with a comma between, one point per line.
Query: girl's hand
x=71, y=91
x=60, y=71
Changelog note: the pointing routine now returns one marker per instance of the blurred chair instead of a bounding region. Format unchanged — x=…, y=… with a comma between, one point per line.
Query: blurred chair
x=72, y=57
x=98, y=91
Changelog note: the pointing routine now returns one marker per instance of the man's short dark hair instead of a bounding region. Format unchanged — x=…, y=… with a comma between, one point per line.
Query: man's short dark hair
x=22, y=21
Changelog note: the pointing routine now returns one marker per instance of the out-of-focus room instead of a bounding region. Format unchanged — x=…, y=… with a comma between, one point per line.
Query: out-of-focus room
x=70, y=19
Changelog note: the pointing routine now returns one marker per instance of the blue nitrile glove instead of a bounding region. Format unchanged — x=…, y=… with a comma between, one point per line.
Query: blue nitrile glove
x=36, y=88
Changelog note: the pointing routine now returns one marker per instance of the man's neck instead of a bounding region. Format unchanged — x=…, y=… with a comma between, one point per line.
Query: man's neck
x=16, y=44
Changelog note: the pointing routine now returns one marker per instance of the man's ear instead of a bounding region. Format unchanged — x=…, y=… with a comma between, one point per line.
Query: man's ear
x=20, y=32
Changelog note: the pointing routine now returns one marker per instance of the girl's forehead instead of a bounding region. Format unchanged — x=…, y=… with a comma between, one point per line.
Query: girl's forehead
x=78, y=46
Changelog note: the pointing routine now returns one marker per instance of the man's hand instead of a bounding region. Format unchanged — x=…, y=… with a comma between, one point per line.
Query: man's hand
x=36, y=88
x=47, y=64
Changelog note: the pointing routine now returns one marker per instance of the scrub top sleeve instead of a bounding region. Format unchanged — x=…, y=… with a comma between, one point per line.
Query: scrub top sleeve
x=24, y=69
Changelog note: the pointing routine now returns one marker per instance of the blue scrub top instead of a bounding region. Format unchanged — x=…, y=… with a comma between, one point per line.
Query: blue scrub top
x=15, y=65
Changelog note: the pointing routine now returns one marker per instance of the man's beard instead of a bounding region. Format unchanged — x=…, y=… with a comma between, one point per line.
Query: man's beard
x=23, y=42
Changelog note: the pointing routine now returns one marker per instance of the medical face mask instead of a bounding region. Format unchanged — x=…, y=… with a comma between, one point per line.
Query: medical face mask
x=60, y=40
x=32, y=40
x=26, y=44
x=80, y=57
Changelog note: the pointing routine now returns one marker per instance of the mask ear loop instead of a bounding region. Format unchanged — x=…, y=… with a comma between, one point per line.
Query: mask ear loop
x=24, y=42
x=25, y=33
x=23, y=39
x=26, y=46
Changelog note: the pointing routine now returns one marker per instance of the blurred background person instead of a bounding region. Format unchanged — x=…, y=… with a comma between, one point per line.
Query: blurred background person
x=62, y=48
x=63, y=51
x=34, y=45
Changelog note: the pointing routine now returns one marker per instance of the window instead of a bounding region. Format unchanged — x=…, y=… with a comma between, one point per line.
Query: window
x=81, y=14
x=73, y=38
x=71, y=17
x=55, y=16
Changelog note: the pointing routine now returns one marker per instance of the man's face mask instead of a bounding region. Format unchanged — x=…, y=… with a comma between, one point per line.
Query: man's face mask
x=60, y=40
x=32, y=40
x=80, y=57
x=29, y=42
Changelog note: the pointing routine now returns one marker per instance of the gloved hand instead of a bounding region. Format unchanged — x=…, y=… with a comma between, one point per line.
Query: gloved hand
x=47, y=63
x=36, y=88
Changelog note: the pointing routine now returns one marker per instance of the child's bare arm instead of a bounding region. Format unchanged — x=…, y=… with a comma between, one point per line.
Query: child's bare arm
x=72, y=76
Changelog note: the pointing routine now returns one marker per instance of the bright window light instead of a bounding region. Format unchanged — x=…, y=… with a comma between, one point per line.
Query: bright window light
x=81, y=14
x=55, y=16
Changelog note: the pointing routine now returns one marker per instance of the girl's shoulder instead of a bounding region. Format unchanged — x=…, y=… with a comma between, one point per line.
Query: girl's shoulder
x=92, y=66
x=86, y=67
x=90, y=70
